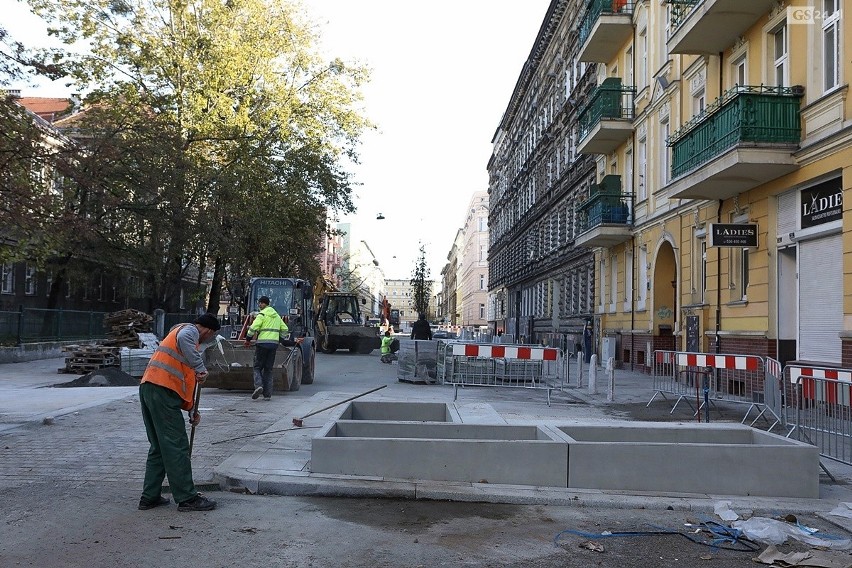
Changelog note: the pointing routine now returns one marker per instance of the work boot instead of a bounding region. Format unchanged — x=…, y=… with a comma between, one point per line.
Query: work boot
x=267, y=398
x=145, y=504
x=197, y=503
x=257, y=392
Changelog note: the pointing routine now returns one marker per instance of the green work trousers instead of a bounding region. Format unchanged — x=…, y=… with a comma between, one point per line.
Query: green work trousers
x=169, y=451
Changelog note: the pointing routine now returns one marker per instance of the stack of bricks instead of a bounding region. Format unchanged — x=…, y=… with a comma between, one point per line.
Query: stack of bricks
x=82, y=359
x=125, y=326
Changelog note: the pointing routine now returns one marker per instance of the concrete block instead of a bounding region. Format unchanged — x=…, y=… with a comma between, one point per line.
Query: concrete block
x=716, y=459
x=475, y=453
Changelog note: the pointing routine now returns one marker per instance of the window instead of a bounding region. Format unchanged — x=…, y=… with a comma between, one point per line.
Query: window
x=8, y=284
x=739, y=268
x=628, y=280
x=483, y=253
x=481, y=311
x=665, y=32
x=739, y=70
x=699, y=101
x=779, y=37
x=482, y=224
x=642, y=292
x=831, y=44
x=665, y=154
x=699, y=259
x=30, y=280
x=613, y=282
x=628, y=172
x=603, y=279
x=628, y=66
x=641, y=166
x=482, y=282
x=642, y=61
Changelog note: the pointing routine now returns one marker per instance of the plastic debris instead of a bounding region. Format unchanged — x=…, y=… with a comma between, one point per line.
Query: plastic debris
x=593, y=546
x=723, y=511
x=842, y=510
x=772, y=531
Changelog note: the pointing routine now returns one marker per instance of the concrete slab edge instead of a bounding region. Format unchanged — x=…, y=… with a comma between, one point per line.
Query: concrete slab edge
x=351, y=487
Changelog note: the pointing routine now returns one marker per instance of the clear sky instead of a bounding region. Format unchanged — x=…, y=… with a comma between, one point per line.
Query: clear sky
x=442, y=75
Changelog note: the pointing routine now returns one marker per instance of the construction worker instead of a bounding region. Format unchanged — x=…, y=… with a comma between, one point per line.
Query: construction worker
x=387, y=348
x=270, y=329
x=167, y=387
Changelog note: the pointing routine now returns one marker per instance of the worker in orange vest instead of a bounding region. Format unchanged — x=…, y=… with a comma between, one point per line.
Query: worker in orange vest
x=167, y=387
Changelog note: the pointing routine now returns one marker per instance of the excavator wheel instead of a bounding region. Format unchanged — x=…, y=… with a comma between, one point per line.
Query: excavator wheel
x=309, y=365
x=294, y=368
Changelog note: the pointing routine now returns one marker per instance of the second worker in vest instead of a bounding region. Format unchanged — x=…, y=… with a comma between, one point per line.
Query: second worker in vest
x=269, y=330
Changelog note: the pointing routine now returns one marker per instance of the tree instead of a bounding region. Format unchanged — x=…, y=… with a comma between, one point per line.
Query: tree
x=225, y=133
x=422, y=288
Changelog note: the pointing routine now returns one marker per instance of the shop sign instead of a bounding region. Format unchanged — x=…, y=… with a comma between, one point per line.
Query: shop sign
x=733, y=235
x=822, y=203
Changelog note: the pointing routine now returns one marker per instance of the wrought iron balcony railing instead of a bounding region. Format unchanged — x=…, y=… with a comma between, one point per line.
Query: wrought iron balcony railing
x=750, y=114
x=596, y=8
x=611, y=100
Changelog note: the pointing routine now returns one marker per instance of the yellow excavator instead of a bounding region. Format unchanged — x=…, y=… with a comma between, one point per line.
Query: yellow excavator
x=339, y=322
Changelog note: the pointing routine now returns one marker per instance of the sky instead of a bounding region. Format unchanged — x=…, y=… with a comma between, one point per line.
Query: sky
x=442, y=75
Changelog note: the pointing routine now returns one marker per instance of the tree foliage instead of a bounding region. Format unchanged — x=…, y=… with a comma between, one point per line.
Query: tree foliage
x=420, y=284
x=214, y=137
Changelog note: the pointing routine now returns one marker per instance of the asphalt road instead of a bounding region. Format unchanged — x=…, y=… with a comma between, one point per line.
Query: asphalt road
x=69, y=493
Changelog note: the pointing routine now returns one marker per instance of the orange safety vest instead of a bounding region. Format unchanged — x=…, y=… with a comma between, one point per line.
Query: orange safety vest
x=169, y=368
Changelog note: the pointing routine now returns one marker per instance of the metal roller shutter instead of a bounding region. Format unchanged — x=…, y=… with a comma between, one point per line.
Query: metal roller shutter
x=821, y=299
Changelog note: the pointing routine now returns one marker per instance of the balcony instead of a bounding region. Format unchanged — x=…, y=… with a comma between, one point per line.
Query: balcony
x=712, y=26
x=606, y=25
x=606, y=122
x=605, y=218
x=743, y=140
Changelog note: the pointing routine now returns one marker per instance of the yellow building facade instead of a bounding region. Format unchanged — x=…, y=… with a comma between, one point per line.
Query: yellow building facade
x=722, y=136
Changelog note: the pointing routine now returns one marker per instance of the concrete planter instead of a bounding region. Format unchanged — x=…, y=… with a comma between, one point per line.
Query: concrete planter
x=717, y=459
x=474, y=453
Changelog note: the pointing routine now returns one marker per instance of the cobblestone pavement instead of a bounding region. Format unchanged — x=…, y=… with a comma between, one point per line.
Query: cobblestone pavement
x=107, y=443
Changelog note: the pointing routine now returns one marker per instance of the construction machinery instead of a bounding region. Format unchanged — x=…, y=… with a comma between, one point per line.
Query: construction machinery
x=340, y=325
x=231, y=364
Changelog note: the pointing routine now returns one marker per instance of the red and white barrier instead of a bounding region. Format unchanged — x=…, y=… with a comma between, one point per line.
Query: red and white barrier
x=840, y=375
x=740, y=362
x=506, y=351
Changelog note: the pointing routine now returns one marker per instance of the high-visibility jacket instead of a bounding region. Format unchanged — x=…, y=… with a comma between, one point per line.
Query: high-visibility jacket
x=386, y=344
x=169, y=368
x=268, y=327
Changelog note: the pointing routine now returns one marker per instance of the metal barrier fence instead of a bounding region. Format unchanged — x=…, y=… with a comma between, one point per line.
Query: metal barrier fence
x=34, y=324
x=821, y=397
x=501, y=365
x=707, y=378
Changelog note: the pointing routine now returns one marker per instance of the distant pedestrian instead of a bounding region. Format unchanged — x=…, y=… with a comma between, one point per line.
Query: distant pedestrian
x=421, y=328
x=270, y=329
x=167, y=387
x=587, y=341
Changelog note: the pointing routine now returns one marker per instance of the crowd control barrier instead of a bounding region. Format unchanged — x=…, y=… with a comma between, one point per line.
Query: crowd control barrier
x=821, y=398
x=501, y=365
x=704, y=378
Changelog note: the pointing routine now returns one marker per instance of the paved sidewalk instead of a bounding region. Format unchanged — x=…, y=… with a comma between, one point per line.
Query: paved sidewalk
x=230, y=452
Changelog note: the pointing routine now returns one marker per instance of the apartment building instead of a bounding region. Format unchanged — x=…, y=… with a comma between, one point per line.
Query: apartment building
x=541, y=283
x=400, y=294
x=720, y=136
x=473, y=266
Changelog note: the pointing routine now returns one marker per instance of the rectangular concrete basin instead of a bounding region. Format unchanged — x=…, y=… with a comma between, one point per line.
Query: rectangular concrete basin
x=500, y=453
x=399, y=411
x=718, y=459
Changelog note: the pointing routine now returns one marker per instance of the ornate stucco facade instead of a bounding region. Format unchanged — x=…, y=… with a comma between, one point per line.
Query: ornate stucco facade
x=696, y=116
